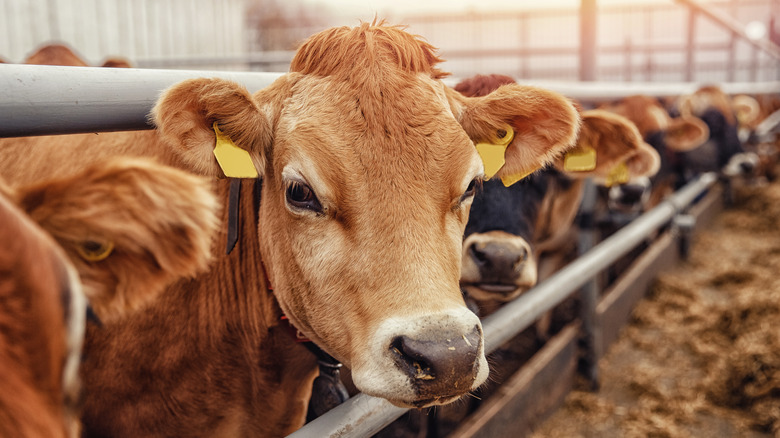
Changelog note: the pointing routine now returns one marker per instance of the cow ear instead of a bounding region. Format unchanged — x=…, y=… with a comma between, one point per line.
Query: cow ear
x=544, y=123
x=747, y=108
x=193, y=115
x=644, y=162
x=605, y=140
x=130, y=226
x=686, y=133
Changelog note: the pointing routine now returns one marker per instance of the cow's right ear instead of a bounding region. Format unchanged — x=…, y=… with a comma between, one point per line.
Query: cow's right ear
x=191, y=115
x=544, y=125
x=686, y=133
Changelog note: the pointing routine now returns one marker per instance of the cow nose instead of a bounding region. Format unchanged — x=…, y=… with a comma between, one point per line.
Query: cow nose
x=631, y=193
x=446, y=365
x=497, y=257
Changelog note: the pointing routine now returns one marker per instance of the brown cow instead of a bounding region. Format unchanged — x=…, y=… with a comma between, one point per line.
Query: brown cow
x=128, y=228
x=42, y=315
x=670, y=136
x=61, y=54
x=55, y=54
x=131, y=227
x=368, y=168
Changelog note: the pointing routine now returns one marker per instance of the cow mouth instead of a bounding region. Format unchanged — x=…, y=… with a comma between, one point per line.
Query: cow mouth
x=427, y=402
x=497, y=288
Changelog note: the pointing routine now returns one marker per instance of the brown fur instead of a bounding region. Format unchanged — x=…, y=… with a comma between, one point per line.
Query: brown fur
x=482, y=85
x=160, y=220
x=210, y=358
x=116, y=63
x=32, y=326
x=682, y=133
x=55, y=54
x=708, y=96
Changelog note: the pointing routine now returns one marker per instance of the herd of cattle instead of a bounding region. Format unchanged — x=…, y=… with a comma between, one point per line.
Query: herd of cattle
x=356, y=235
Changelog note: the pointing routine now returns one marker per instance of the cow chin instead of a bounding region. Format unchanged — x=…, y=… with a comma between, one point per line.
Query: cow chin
x=417, y=362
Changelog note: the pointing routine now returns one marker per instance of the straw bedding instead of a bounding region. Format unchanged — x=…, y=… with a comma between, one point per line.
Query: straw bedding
x=701, y=356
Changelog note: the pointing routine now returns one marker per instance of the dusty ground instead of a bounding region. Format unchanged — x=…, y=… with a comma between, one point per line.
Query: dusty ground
x=701, y=357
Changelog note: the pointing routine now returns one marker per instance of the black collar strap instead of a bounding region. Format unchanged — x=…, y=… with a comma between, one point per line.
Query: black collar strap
x=234, y=201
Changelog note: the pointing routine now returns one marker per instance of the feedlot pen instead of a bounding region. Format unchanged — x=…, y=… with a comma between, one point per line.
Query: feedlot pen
x=538, y=389
x=701, y=356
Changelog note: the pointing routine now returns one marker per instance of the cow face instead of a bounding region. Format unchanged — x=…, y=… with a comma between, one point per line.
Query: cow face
x=369, y=169
x=508, y=224
x=498, y=261
x=130, y=227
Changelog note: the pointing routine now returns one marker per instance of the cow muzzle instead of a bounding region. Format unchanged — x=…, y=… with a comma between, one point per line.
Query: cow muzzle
x=426, y=361
x=497, y=266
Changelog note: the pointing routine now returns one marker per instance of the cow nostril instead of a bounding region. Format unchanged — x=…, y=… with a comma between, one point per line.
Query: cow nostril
x=411, y=359
x=522, y=255
x=478, y=254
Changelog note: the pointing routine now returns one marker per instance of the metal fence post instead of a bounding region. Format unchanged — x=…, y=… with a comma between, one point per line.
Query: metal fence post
x=591, y=291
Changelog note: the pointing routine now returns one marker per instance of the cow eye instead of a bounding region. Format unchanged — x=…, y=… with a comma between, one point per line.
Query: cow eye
x=472, y=189
x=301, y=196
x=94, y=251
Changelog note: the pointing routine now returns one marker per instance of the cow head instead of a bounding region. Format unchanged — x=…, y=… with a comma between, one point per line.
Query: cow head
x=682, y=133
x=507, y=224
x=369, y=168
x=130, y=227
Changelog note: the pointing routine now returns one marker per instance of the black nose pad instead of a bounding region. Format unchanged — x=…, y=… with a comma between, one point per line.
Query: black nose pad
x=497, y=260
x=442, y=365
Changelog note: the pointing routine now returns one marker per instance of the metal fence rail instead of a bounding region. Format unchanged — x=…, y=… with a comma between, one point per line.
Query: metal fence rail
x=364, y=415
x=41, y=100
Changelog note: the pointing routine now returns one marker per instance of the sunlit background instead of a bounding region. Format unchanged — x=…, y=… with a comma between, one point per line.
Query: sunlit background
x=636, y=40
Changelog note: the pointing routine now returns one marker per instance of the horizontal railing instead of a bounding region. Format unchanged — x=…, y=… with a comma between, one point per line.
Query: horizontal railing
x=364, y=415
x=41, y=100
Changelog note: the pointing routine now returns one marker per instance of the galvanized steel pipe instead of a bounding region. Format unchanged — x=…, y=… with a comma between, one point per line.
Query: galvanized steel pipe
x=364, y=415
x=40, y=100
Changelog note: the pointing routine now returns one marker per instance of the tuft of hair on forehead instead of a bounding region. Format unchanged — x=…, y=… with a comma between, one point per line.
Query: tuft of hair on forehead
x=482, y=85
x=339, y=51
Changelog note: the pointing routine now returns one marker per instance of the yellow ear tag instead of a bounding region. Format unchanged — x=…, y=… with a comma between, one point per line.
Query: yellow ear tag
x=618, y=175
x=580, y=159
x=492, y=154
x=92, y=251
x=511, y=179
x=234, y=161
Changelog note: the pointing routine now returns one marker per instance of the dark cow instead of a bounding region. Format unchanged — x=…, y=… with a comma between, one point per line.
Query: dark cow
x=511, y=227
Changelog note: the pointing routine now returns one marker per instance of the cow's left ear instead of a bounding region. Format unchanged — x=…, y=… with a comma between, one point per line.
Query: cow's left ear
x=198, y=115
x=545, y=124
x=609, y=137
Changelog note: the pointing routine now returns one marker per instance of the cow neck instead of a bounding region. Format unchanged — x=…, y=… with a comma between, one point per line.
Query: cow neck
x=328, y=391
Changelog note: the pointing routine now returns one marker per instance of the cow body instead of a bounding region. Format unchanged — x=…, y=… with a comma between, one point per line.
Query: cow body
x=368, y=167
x=42, y=312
